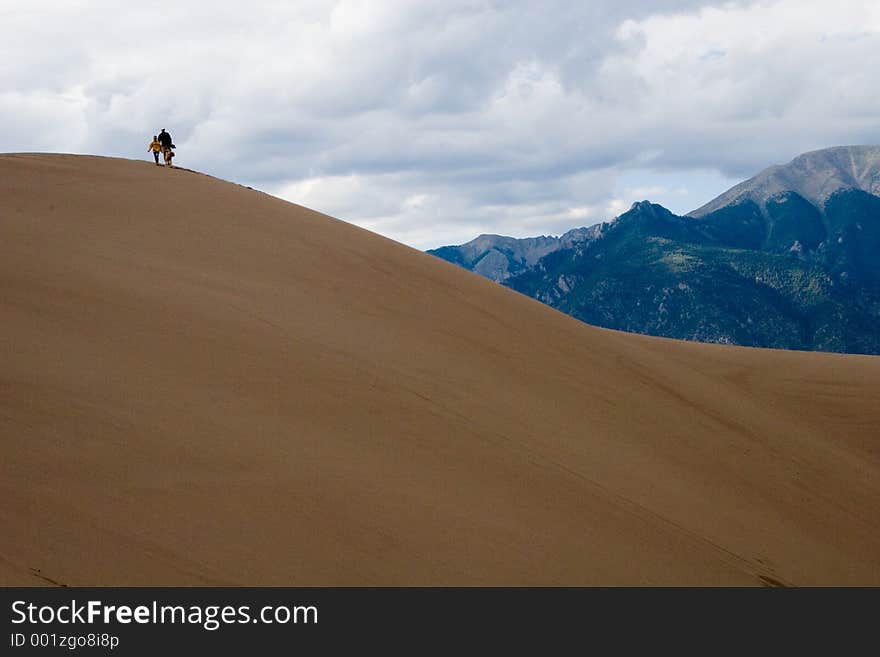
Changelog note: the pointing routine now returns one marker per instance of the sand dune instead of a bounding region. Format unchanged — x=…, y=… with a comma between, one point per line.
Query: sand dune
x=201, y=384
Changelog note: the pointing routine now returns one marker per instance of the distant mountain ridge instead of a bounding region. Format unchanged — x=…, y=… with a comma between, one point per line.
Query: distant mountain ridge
x=498, y=257
x=814, y=176
x=787, y=259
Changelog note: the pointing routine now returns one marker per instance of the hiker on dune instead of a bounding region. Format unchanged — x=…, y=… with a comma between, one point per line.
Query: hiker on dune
x=167, y=146
x=165, y=140
x=155, y=148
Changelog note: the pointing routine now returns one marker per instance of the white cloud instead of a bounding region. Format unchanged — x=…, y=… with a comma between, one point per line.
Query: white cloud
x=749, y=85
x=432, y=122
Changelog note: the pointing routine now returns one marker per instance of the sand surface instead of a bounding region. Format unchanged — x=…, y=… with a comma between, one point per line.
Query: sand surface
x=204, y=385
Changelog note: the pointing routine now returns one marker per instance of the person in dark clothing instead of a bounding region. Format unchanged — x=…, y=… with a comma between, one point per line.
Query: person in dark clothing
x=165, y=140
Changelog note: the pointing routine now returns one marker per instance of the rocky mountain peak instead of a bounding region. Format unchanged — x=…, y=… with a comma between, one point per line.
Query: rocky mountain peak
x=815, y=176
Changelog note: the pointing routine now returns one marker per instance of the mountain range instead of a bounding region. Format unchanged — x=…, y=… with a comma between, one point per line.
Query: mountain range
x=786, y=259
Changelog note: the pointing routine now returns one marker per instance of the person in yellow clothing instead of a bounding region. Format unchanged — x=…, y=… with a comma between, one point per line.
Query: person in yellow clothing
x=155, y=147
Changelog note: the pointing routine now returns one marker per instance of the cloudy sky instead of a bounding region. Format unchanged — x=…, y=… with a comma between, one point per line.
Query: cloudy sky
x=432, y=122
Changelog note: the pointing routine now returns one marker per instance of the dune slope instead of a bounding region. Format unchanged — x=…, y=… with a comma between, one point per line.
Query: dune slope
x=202, y=384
